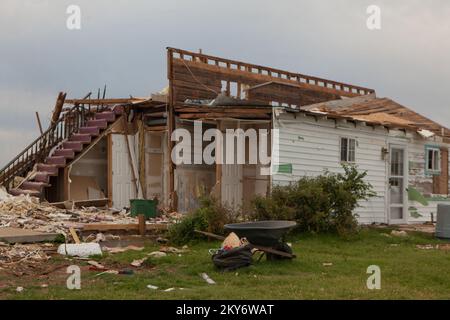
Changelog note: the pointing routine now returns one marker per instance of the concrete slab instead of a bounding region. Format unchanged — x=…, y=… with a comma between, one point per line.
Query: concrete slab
x=15, y=235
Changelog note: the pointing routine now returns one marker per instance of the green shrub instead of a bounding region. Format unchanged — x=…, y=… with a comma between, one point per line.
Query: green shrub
x=211, y=216
x=324, y=203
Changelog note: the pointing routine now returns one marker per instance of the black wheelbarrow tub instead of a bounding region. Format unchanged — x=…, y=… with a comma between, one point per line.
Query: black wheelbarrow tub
x=262, y=233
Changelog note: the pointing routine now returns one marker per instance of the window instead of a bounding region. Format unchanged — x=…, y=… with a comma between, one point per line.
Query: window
x=433, y=159
x=348, y=149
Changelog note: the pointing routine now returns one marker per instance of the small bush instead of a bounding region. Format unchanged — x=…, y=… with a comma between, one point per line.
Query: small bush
x=210, y=217
x=323, y=203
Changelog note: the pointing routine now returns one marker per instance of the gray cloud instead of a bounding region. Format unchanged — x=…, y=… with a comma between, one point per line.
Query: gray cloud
x=122, y=44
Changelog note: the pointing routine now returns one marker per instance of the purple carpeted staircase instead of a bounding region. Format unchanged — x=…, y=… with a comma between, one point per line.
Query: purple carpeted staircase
x=65, y=152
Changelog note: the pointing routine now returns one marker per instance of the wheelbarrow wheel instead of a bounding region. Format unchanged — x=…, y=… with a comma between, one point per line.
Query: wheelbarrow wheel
x=282, y=246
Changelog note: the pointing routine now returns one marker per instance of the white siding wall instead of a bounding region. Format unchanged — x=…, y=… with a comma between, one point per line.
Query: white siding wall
x=313, y=146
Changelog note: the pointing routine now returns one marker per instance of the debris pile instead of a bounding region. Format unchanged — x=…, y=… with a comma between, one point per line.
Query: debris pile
x=19, y=253
x=28, y=213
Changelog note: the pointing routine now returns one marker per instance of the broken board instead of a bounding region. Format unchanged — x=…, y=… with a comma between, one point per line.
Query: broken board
x=15, y=235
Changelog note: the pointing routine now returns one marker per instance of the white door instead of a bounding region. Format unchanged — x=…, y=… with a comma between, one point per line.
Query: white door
x=123, y=188
x=397, y=182
x=232, y=173
x=232, y=185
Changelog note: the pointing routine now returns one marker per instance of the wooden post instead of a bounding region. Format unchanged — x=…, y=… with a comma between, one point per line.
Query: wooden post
x=142, y=172
x=39, y=123
x=58, y=107
x=141, y=219
x=219, y=155
x=134, y=179
x=170, y=127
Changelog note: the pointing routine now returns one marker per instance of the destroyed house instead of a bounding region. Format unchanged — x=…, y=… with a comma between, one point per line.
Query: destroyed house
x=108, y=151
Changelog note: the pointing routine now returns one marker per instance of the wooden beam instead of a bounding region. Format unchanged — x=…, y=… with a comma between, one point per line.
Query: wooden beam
x=125, y=227
x=74, y=235
x=219, y=154
x=58, y=107
x=104, y=101
x=134, y=179
x=171, y=126
x=242, y=109
x=142, y=169
x=141, y=223
x=82, y=203
x=217, y=115
x=109, y=172
x=38, y=119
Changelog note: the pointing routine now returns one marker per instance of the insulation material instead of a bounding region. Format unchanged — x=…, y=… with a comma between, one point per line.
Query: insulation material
x=426, y=133
x=85, y=188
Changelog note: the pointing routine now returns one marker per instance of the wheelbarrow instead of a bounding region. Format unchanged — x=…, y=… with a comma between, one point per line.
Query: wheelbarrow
x=265, y=236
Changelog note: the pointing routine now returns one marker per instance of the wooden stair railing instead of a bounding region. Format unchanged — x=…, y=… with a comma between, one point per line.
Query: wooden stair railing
x=38, y=150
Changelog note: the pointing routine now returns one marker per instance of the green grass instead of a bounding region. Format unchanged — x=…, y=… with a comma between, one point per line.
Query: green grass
x=406, y=273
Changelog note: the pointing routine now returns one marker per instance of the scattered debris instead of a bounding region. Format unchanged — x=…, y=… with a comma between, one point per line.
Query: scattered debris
x=19, y=253
x=162, y=240
x=100, y=237
x=96, y=264
x=425, y=247
x=138, y=263
x=19, y=289
x=120, y=249
x=445, y=246
x=152, y=287
x=107, y=271
x=171, y=250
x=128, y=272
x=157, y=254
x=397, y=233
x=207, y=278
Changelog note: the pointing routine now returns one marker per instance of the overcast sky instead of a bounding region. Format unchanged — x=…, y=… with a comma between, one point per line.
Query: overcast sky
x=122, y=44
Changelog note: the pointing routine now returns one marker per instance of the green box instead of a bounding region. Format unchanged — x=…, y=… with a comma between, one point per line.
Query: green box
x=145, y=207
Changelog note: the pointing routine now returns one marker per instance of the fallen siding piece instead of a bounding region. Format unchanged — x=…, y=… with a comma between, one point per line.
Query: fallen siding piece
x=207, y=278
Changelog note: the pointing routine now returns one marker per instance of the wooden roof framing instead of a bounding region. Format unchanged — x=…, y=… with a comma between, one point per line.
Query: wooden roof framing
x=199, y=76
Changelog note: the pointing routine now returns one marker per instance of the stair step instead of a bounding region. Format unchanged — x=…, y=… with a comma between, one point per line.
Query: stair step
x=82, y=137
x=66, y=153
x=93, y=131
x=49, y=169
x=42, y=177
x=18, y=192
x=106, y=115
x=76, y=146
x=102, y=124
x=58, y=161
x=118, y=110
x=31, y=185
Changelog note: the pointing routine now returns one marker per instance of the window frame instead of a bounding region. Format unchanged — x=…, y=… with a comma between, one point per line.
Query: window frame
x=348, y=151
x=436, y=150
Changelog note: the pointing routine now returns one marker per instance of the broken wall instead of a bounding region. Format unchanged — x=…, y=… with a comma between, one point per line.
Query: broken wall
x=88, y=176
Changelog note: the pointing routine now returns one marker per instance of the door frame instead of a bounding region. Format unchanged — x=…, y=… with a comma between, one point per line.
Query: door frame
x=404, y=220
